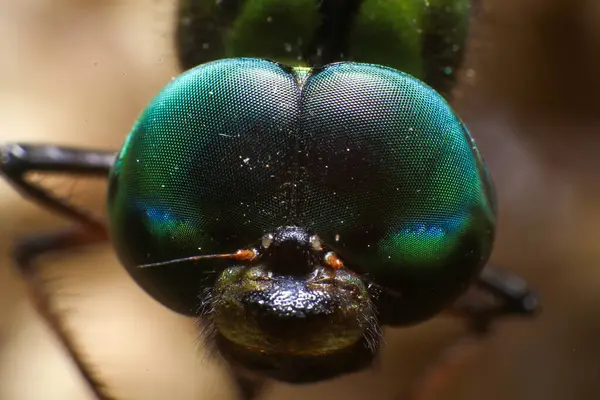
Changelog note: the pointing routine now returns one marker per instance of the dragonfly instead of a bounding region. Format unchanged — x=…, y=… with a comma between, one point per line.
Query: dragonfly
x=304, y=183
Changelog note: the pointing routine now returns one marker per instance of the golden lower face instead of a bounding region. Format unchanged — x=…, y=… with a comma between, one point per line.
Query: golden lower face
x=313, y=315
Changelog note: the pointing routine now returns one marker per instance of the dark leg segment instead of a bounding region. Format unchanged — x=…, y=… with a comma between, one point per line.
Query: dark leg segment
x=15, y=162
x=495, y=294
x=25, y=253
x=21, y=158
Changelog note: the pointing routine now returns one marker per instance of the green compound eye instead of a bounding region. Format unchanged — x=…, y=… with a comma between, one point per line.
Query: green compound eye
x=423, y=38
x=370, y=159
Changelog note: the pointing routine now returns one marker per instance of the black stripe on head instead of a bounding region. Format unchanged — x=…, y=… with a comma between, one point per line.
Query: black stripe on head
x=330, y=42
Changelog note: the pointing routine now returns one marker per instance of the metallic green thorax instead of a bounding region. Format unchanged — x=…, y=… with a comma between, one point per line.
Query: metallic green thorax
x=425, y=38
x=372, y=160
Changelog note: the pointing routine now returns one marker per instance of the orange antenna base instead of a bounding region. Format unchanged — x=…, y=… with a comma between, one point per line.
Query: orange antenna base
x=333, y=261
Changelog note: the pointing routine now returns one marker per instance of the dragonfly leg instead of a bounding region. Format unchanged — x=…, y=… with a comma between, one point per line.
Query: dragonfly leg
x=25, y=252
x=15, y=162
x=495, y=294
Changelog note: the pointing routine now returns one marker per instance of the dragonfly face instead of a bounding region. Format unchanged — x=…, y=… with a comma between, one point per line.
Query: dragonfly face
x=294, y=209
x=370, y=162
x=293, y=314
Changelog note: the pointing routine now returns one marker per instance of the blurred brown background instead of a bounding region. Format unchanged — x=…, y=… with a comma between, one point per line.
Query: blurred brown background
x=79, y=72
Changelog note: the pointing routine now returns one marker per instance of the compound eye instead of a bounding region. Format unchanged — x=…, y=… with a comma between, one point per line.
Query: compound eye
x=267, y=240
x=315, y=243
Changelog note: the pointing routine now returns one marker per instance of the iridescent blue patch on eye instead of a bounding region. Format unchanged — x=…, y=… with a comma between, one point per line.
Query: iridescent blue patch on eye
x=422, y=243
